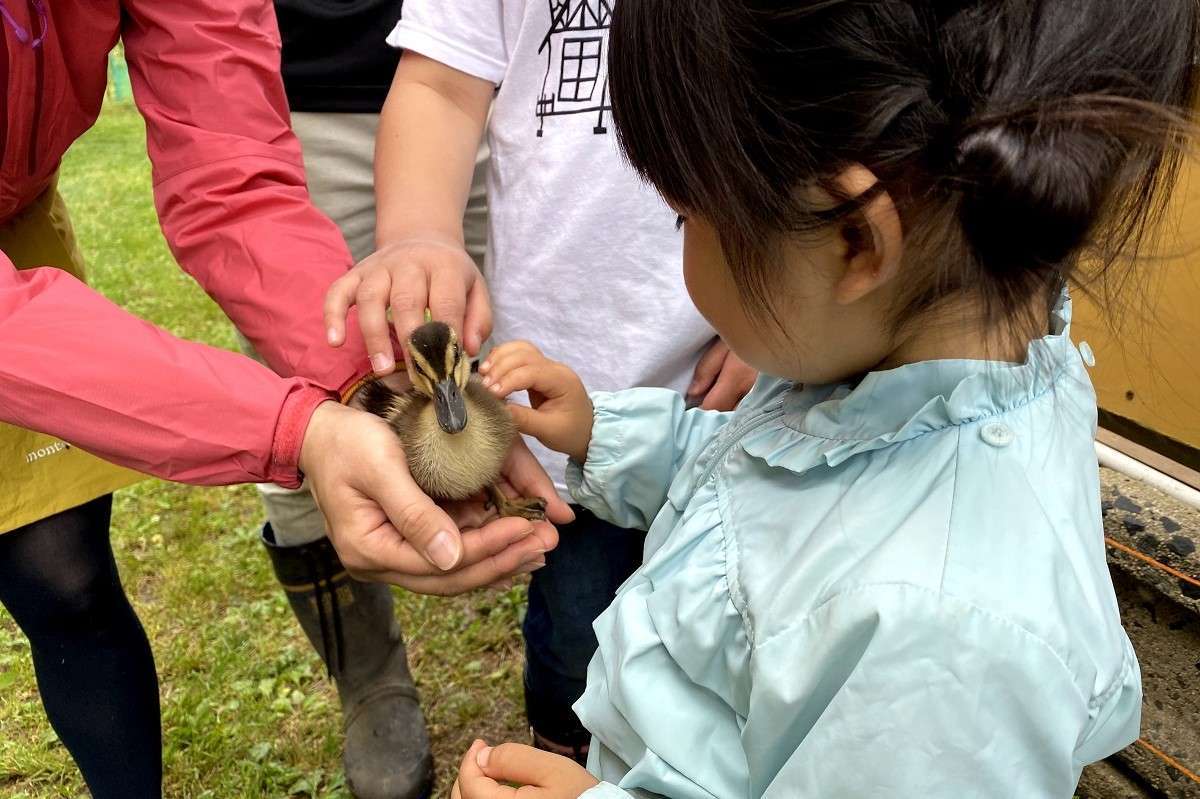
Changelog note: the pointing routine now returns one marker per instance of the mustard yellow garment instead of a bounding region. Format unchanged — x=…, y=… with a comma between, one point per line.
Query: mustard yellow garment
x=41, y=475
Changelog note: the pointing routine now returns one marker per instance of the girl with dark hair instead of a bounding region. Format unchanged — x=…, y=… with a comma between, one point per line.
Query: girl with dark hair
x=884, y=574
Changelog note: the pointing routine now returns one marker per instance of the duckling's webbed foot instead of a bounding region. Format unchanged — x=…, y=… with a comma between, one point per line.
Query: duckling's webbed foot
x=531, y=508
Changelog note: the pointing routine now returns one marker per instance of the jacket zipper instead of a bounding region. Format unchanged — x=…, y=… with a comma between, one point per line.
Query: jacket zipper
x=39, y=62
x=735, y=435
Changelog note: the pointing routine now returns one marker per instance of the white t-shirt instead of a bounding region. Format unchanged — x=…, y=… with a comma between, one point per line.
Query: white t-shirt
x=583, y=258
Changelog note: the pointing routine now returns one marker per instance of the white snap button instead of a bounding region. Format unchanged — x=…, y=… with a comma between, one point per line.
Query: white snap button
x=996, y=434
x=1085, y=350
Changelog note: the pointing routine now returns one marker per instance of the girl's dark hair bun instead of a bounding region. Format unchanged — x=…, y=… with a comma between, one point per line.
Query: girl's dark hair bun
x=1028, y=197
x=1024, y=142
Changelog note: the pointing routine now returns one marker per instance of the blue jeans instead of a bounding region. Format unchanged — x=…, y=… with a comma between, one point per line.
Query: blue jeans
x=579, y=581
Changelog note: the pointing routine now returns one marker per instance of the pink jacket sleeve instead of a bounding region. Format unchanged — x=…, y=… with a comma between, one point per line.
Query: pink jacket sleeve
x=76, y=366
x=229, y=181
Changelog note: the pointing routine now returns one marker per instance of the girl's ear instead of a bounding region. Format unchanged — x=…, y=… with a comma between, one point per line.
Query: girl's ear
x=874, y=245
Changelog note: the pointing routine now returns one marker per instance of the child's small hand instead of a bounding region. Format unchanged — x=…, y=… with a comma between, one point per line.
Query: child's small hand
x=406, y=277
x=561, y=416
x=541, y=775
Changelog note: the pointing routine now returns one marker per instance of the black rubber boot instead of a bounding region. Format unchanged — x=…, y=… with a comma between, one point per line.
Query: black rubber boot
x=352, y=627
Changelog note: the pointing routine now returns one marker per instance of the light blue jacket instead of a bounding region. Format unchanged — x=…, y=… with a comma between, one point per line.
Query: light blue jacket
x=895, y=589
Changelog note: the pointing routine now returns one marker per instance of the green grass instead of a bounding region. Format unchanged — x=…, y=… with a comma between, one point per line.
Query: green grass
x=247, y=708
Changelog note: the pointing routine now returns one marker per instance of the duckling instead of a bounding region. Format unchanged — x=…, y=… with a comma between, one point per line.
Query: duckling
x=455, y=432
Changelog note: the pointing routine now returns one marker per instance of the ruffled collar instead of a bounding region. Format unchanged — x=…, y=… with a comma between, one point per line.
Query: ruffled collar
x=828, y=424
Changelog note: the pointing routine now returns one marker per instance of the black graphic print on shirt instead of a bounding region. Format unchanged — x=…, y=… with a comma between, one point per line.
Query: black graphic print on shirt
x=576, y=51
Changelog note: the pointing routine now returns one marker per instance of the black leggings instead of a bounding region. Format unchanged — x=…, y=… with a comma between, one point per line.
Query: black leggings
x=93, y=662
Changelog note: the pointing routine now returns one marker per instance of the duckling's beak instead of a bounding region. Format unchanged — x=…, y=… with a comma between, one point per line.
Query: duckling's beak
x=450, y=406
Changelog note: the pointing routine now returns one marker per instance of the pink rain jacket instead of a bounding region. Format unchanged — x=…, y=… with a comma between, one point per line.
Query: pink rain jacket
x=230, y=191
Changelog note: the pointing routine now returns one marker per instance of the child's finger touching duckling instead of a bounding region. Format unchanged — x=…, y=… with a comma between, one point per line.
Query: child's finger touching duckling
x=560, y=412
x=457, y=435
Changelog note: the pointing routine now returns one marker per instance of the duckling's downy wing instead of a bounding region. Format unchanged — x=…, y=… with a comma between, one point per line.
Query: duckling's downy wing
x=381, y=400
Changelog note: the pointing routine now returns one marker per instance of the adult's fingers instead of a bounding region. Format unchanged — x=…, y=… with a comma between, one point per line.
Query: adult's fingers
x=471, y=579
x=338, y=299
x=527, y=477
x=547, y=534
x=479, y=545
x=708, y=369
x=522, y=557
x=470, y=513
x=372, y=301
x=477, y=325
x=735, y=382
x=418, y=519
x=725, y=394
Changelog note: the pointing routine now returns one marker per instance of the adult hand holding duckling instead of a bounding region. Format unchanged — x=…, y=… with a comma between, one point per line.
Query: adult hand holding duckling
x=418, y=275
x=386, y=529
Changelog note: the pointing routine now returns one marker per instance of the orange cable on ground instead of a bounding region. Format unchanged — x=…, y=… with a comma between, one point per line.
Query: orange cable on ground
x=1170, y=761
x=1142, y=742
x=1146, y=558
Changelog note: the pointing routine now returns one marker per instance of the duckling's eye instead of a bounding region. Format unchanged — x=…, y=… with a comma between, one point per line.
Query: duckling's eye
x=457, y=353
x=679, y=220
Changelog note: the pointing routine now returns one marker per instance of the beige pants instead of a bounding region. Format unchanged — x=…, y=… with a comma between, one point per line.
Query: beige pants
x=339, y=154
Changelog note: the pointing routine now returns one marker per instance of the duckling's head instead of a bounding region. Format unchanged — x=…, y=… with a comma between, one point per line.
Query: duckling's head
x=441, y=371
